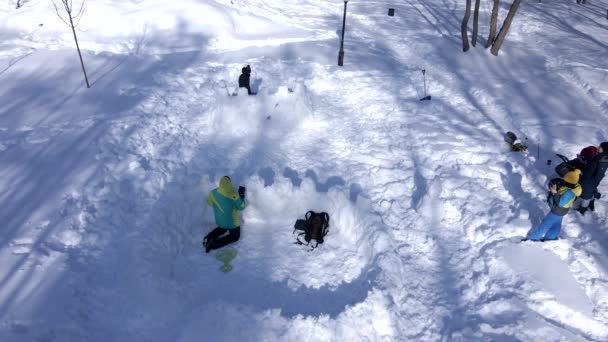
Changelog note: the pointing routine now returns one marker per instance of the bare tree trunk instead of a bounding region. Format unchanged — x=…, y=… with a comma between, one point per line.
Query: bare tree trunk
x=493, y=22
x=69, y=21
x=475, y=23
x=86, y=79
x=465, y=23
x=505, y=28
x=18, y=4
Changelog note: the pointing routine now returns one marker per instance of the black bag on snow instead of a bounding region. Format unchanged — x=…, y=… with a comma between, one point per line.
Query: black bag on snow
x=314, y=227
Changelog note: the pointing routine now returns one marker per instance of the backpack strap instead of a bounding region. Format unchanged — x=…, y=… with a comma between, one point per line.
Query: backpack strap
x=562, y=157
x=298, y=241
x=308, y=215
x=325, y=226
x=325, y=219
x=302, y=226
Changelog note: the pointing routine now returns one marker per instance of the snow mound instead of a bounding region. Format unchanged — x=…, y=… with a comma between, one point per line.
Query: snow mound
x=266, y=249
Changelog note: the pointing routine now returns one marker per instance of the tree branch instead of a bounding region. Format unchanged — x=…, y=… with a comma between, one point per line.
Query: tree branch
x=81, y=10
x=59, y=15
x=80, y=13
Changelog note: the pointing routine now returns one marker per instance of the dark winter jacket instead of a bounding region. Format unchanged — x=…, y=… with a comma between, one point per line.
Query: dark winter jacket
x=244, y=79
x=593, y=175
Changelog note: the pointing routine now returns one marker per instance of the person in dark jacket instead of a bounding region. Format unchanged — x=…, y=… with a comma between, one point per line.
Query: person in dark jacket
x=592, y=176
x=562, y=193
x=226, y=205
x=244, y=79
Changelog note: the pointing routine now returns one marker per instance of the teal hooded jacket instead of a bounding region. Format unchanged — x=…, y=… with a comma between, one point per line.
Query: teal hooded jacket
x=226, y=204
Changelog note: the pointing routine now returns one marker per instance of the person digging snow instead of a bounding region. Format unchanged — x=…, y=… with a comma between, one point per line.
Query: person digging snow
x=226, y=205
x=593, y=174
x=562, y=194
x=244, y=79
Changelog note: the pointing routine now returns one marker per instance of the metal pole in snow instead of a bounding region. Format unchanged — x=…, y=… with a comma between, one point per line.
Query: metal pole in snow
x=424, y=78
x=341, y=53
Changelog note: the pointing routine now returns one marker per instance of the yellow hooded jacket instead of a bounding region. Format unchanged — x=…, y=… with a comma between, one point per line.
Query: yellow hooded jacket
x=226, y=204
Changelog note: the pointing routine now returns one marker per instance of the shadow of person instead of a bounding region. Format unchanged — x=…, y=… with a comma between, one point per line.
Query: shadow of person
x=256, y=85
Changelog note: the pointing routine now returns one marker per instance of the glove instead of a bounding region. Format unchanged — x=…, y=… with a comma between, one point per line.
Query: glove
x=242, y=190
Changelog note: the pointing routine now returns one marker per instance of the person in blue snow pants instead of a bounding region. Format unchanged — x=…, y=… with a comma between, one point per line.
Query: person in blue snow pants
x=562, y=194
x=549, y=229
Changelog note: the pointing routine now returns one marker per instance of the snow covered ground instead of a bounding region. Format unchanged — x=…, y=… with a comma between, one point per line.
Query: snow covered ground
x=103, y=190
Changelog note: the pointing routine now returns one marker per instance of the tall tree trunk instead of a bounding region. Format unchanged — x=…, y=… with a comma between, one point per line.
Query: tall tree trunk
x=86, y=79
x=475, y=23
x=505, y=28
x=465, y=23
x=493, y=22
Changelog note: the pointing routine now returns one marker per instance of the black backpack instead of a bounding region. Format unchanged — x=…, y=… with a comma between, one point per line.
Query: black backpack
x=314, y=227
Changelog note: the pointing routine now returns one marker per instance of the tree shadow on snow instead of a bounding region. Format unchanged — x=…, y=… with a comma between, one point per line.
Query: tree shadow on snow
x=53, y=171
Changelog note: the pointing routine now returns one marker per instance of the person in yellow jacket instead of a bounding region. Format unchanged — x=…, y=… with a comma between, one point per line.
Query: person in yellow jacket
x=562, y=195
x=226, y=206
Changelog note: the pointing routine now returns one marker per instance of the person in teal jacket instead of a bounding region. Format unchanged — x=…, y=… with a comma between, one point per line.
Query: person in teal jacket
x=226, y=205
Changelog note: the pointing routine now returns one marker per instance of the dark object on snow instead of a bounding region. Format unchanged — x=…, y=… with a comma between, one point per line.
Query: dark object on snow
x=242, y=191
x=426, y=97
x=391, y=12
x=220, y=237
x=244, y=79
x=510, y=138
x=314, y=227
x=519, y=147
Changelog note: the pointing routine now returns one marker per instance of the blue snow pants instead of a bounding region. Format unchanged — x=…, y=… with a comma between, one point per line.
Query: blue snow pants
x=548, y=229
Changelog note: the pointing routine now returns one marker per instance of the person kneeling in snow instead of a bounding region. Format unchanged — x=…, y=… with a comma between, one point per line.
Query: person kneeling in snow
x=226, y=205
x=562, y=194
x=244, y=79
